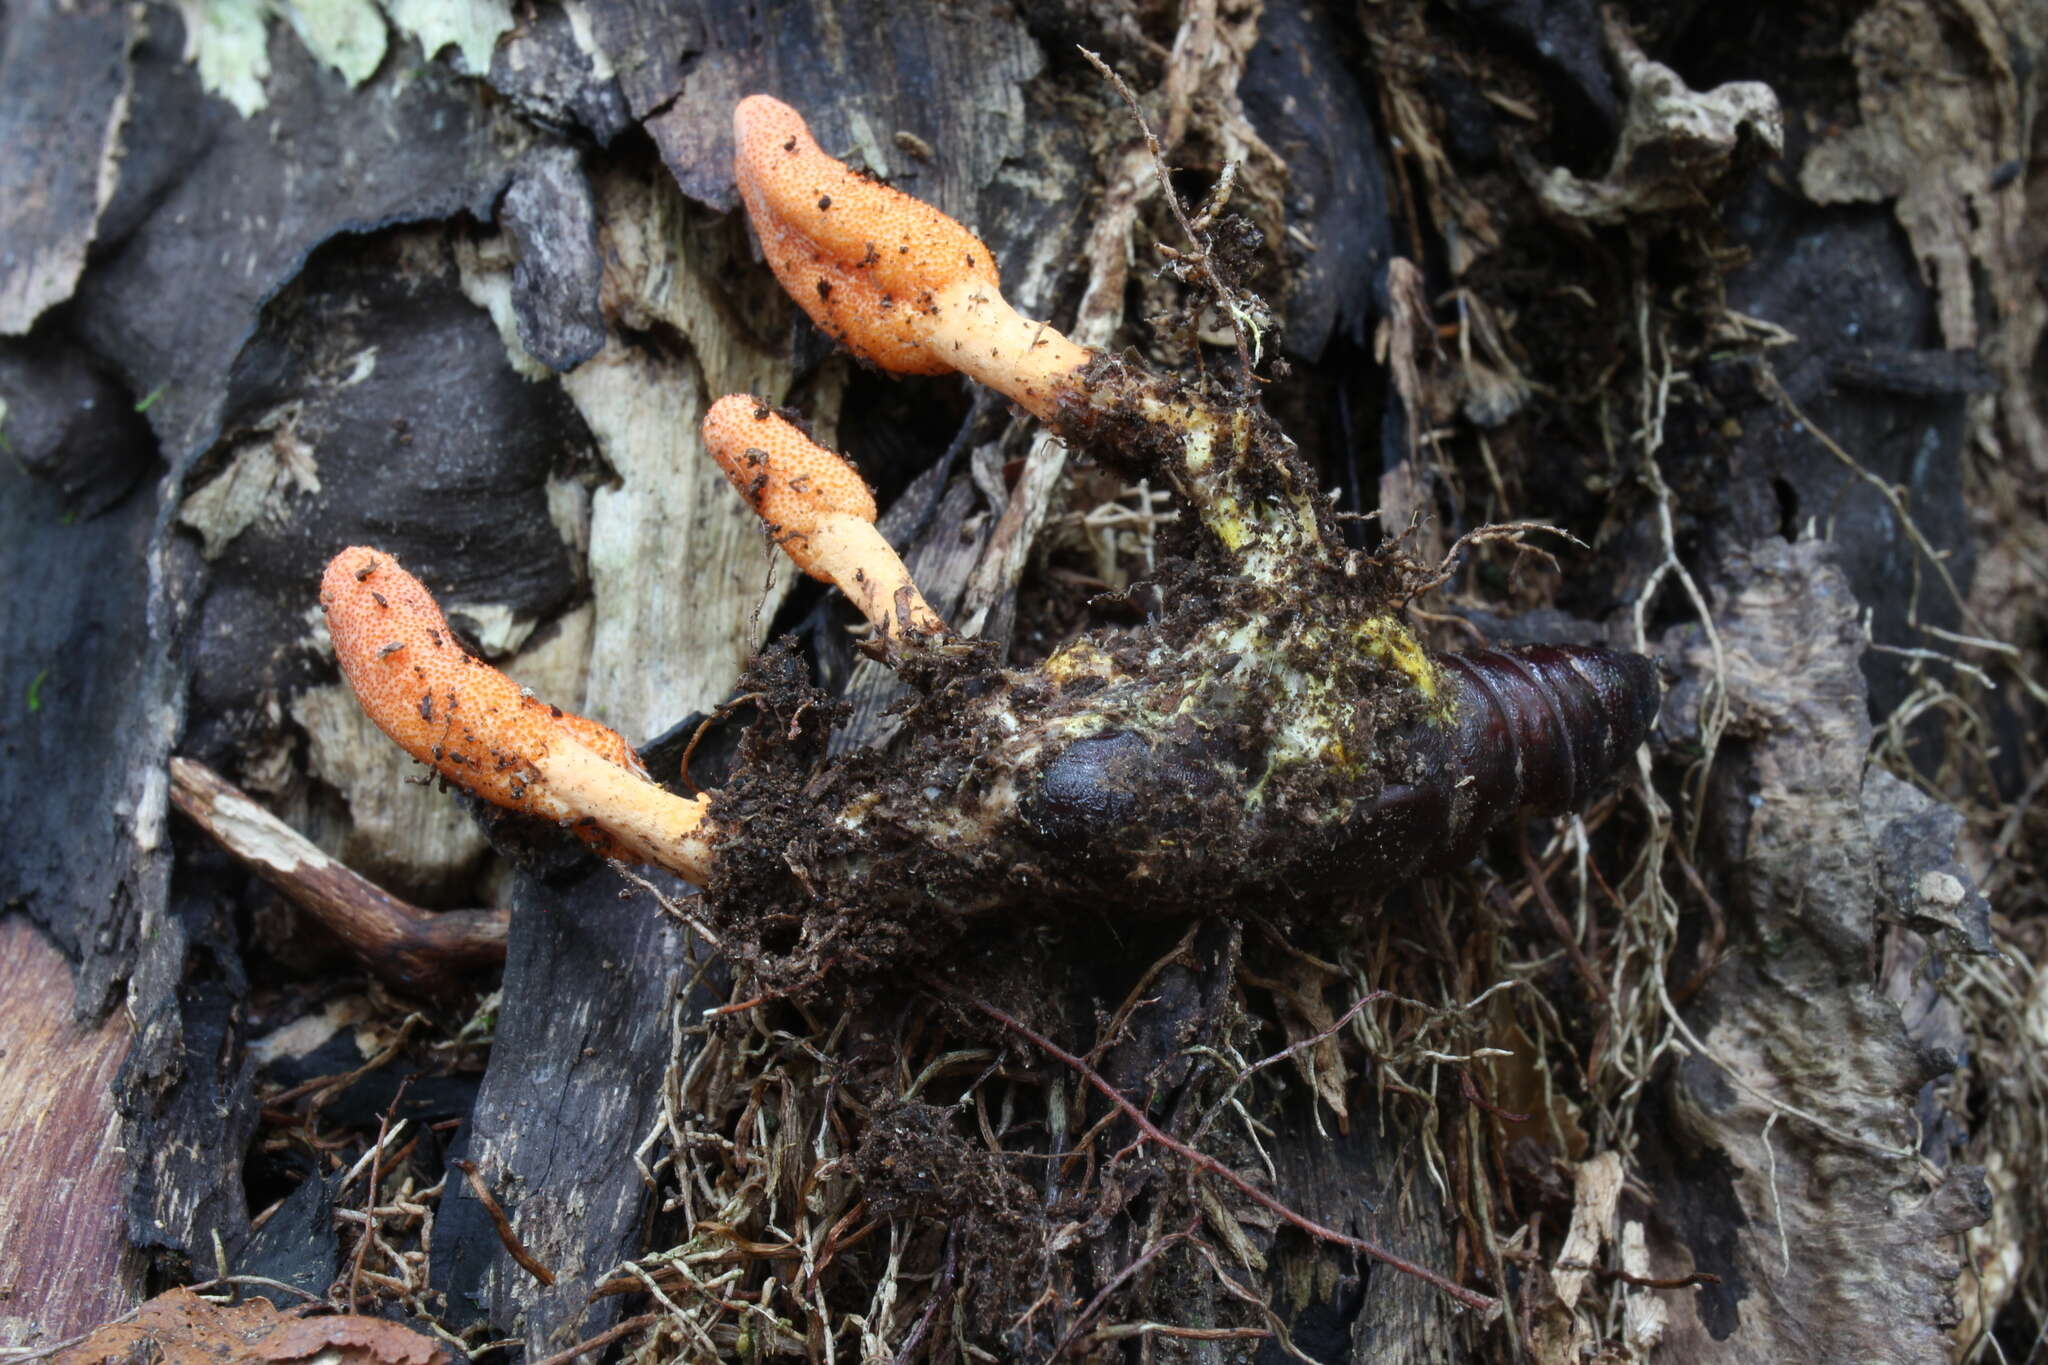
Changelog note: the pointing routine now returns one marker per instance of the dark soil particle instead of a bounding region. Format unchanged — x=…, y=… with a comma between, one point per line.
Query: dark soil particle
x=918, y=1159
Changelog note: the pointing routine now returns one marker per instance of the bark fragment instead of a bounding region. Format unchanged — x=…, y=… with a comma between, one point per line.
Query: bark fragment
x=1789, y=1166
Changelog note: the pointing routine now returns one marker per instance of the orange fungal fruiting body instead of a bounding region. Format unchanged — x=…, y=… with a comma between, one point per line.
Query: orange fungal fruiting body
x=864, y=260
x=485, y=733
x=445, y=707
x=891, y=278
x=819, y=510
x=789, y=480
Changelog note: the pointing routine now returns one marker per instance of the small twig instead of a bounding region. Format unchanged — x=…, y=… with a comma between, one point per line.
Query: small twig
x=1967, y=669
x=1437, y=618
x=1717, y=934
x=1767, y=380
x=832, y=1244
x=604, y=1338
x=1113, y=1032
x=1479, y=1303
x=412, y=949
x=384, y=1133
x=1201, y=258
x=1559, y=923
x=1315, y=1039
x=672, y=906
x=1116, y=1282
x=1509, y=531
x=1470, y=1089
x=1698, y=1277
x=1167, y=1329
x=704, y=725
x=939, y=1291
x=513, y=1246
x=262, y=1282
x=321, y=1085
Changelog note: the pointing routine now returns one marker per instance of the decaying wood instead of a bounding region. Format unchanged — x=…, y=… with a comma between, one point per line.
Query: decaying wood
x=1795, y=1148
x=193, y=156
x=1352, y=1309
x=65, y=1258
x=659, y=645
x=571, y=1093
x=89, y=714
x=68, y=65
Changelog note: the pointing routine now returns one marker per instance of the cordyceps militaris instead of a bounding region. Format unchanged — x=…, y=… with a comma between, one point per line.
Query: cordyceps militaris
x=1276, y=730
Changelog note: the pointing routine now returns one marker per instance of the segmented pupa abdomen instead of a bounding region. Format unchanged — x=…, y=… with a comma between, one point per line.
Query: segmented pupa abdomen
x=1544, y=727
x=1539, y=729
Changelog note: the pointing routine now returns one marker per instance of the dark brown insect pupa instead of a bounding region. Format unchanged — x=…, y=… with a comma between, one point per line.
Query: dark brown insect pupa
x=1537, y=730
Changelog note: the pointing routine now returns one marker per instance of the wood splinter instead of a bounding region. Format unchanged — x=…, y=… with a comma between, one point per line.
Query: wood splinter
x=413, y=950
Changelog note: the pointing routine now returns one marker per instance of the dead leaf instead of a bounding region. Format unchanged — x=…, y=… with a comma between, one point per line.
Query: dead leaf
x=356, y=1338
x=1304, y=1015
x=1520, y=1088
x=181, y=1328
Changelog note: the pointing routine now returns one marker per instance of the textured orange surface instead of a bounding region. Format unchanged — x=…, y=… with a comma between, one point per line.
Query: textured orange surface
x=456, y=713
x=867, y=262
x=785, y=476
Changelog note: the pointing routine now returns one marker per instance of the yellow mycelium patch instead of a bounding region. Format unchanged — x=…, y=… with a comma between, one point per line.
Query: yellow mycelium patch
x=1316, y=712
x=1269, y=536
x=1320, y=712
x=1313, y=713
x=1393, y=644
x=1083, y=658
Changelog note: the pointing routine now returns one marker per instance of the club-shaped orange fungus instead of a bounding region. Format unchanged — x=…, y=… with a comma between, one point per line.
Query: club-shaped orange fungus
x=485, y=733
x=891, y=278
x=790, y=481
x=819, y=509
